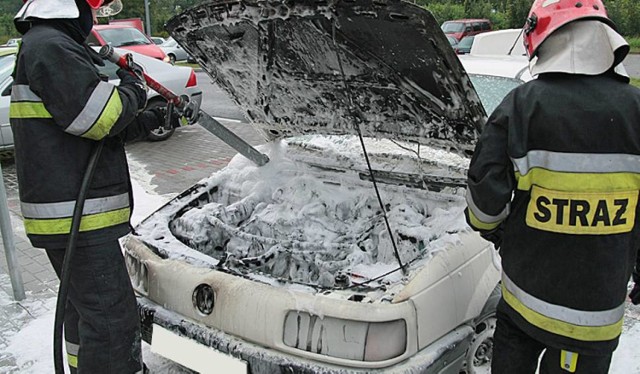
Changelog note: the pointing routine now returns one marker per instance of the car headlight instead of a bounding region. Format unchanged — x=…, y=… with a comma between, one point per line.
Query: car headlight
x=347, y=339
x=138, y=273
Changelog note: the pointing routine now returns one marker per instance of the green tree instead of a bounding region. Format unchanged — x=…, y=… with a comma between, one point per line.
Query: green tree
x=8, y=9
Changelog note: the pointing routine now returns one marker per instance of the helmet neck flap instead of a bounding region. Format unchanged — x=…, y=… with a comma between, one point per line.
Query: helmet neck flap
x=574, y=37
x=585, y=47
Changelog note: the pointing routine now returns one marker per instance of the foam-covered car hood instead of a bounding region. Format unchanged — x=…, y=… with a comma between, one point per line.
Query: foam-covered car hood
x=383, y=68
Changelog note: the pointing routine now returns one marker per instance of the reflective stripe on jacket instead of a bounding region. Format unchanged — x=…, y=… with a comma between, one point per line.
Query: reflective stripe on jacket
x=95, y=121
x=558, y=166
x=59, y=108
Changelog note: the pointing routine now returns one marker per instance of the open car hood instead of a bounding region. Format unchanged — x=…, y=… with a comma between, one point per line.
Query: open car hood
x=381, y=68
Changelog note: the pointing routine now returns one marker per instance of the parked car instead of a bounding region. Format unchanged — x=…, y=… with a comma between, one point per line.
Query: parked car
x=495, y=76
x=127, y=37
x=8, y=51
x=464, y=46
x=501, y=42
x=453, y=41
x=174, y=51
x=290, y=266
x=13, y=42
x=460, y=28
x=157, y=40
x=7, y=62
x=179, y=79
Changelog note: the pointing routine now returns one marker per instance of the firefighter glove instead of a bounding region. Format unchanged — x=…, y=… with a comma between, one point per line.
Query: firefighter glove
x=634, y=295
x=138, y=87
x=175, y=121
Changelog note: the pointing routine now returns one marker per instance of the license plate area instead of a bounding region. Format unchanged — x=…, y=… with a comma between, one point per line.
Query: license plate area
x=193, y=355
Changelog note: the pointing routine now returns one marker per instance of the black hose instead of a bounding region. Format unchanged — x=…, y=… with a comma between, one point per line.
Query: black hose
x=61, y=303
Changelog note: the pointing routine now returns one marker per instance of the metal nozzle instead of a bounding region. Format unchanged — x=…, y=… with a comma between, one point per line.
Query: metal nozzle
x=108, y=53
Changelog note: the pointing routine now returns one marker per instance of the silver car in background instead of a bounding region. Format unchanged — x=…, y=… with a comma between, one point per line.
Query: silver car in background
x=179, y=79
x=6, y=68
x=174, y=51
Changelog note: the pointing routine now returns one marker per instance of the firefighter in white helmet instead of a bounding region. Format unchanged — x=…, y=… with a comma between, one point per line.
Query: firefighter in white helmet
x=554, y=184
x=60, y=109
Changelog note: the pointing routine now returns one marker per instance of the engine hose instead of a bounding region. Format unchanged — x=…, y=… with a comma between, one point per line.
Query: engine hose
x=66, y=265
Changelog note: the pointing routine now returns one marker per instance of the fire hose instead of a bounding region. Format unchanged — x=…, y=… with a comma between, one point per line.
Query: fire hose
x=187, y=109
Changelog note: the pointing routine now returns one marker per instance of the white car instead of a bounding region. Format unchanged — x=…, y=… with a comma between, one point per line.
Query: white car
x=494, y=76
x=174, y=51
x=305, y=265
x=7, y=63
x=179, y=79
x=499, y=43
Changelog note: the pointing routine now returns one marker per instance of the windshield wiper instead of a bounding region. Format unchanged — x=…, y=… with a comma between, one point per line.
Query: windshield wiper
x=131, y=42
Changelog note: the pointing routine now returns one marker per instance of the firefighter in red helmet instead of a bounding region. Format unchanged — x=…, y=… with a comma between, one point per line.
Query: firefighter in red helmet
x=61, y=109
x=554, y=184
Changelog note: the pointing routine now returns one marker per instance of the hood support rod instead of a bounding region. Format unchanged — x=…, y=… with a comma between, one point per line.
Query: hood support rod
x=358, y=116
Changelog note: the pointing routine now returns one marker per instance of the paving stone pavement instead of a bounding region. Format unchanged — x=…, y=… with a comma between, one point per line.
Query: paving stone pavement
x=40, y=286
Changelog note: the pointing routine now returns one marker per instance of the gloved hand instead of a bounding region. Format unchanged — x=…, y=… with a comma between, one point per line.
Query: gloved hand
x=634, y=295
x=138, y=86
x=174, y=122
x=494, y=236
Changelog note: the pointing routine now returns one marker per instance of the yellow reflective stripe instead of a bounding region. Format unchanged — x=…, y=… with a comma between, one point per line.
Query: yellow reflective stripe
x=584, y=333
x=88, y=223
x=568, y=361
x=477, y=224
x=107, y=119
x=72, y=360
x=28, y=110
x=578, y=181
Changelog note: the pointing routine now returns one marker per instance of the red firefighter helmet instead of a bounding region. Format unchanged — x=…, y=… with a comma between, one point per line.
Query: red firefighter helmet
x=95, y=4
x=547, y=16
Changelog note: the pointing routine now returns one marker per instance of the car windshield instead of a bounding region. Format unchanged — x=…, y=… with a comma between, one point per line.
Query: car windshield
x=466, y=42
x=492, y=89
x=122, y=37
x=452, y=27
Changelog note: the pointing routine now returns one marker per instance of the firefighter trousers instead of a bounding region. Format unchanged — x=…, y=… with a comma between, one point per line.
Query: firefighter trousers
x=101, y=325
x=516, y=352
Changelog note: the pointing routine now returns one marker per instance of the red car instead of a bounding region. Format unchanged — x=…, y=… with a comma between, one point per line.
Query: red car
x=127, y=37
x=460, y=28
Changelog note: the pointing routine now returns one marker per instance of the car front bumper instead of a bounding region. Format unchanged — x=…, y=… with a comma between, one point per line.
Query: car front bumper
x=445, y=356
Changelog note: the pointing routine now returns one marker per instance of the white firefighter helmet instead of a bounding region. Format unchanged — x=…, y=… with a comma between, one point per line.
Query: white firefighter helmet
x=64, y=9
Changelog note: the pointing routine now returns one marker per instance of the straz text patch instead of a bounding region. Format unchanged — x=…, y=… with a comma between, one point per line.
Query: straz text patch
x=586, y=213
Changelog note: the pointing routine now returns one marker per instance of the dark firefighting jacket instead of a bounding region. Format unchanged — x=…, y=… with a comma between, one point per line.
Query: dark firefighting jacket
x=60, y=108
x=557, y=167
